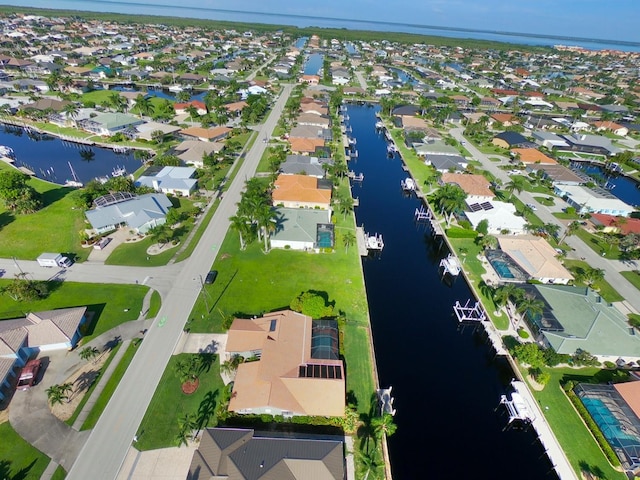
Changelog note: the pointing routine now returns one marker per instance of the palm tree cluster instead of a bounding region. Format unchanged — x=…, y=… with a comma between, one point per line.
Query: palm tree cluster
x=255, y=217
x=525, y=303
x=449, y=199
x=59, y=393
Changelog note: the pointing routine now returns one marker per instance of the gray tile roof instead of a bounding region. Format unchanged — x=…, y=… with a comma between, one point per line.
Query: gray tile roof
x=299, y=164
x=135, y=212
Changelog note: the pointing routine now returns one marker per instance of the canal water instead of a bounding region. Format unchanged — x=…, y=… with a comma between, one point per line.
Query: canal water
x=446, y=381
x=49, y=157
x=622, y=187
x=313, y=64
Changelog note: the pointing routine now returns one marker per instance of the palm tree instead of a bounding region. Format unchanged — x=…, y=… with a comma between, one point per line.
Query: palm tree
x=345, y=205
x=89, y=353
x=571, y=229
x=593, y=275
x=348, y=239
x=370, y=463
x=117, y=102
x=143, y=105
x=240, y=224
x=71, y=110
x=383, y=426
x=450, y=198
x=58, y=393
x=516, y=184
x=267, y=220
x=186, y=424
x=530, y=305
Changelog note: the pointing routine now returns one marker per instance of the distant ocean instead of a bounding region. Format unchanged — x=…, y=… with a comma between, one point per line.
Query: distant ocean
x=326, y=22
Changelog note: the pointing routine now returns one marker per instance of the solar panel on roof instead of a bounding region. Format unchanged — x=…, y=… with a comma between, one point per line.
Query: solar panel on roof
x=474, y=207
x=486, y=206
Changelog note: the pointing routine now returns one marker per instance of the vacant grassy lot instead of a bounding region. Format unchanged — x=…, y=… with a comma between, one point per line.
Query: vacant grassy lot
x=109, y=304
x=159, y=427
x=18, y=459
x=27, y=236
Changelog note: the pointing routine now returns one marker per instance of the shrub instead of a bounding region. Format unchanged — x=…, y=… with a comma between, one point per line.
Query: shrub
x=457, y=232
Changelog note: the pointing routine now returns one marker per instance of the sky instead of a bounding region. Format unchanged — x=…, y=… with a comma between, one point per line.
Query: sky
x=600, y=19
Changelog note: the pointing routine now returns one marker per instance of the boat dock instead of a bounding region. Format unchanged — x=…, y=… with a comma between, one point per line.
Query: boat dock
x=362, y=242
x=424, y=214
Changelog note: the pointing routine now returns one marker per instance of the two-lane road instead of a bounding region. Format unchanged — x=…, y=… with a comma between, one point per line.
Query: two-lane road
x=107, y=446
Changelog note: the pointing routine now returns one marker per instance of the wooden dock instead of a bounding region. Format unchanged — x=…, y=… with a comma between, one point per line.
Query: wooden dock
x=362, y=242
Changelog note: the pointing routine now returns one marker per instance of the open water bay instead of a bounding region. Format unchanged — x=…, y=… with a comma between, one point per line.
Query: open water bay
x=446, y=381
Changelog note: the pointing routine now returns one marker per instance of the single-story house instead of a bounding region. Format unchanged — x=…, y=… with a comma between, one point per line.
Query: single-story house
x=107, y=124
x=23, y=338
x=501, y=216
x=295, y=191
x=193, y=151
x=532, y=155
x=587, y=200
x=549, y=139
x=174, y=180
x=613, y=224
x=578, y=318
x=313, y=120
x=182, y=108
x=558, y=174
x=475, y=186
x=303, y=229
x=243, y=454
x=139, y=213
x=510, y=139
x=146, y=130
x=536, y=257
x=581, y=142
x=299, y=371
x=305, y=165
x=205, y=134
x=445, y=163
x=305, y=145
x=612, y=127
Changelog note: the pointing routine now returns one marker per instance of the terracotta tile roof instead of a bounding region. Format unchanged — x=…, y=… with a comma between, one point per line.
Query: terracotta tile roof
x=626, y=226
x=305, y=145
x=299, y=188
x=471, y=184
x=532, y=155
x=534, y=255
x=210, y=133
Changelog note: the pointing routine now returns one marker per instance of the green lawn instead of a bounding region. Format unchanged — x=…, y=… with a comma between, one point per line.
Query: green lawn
x=633, y=277
x=604, y=287
x=110, y=304
x=358, y=366
x=27, y=236
x=111, y=385
x=159, y=426
x=547, y=201
x=571, y=432
x=18, y=459
x=154, y=304
x=599, y=245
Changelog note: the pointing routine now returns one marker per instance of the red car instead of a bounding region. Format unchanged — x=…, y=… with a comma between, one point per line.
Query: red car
x=29, y=374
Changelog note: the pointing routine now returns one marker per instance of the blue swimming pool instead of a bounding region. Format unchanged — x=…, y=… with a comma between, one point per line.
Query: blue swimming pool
x=615, y=433
x=502, y=268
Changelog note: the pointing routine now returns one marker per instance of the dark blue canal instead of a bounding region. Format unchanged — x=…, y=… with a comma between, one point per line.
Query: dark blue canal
x=446, y=381
x=49, y=157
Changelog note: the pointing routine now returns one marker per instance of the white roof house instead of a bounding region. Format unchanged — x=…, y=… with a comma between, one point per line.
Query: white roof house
x=175, y=180
x=501, y=216
x=139, y=213
x=587, y=200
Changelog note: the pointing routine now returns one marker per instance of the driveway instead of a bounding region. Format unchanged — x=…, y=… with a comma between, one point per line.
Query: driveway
x=118, y=237
x=161, y=464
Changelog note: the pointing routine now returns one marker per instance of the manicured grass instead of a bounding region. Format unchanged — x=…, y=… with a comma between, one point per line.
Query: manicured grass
x=27, y=236
x=547, y=201
x=598, y=245
x=159, y=427
x=275, y=279
x=18, y=459
x=358, y=365
x=606, y=290
x=111, y=385
x=568, y=427
x=85, y=399
x=633, y=277
x=154, y=304
x=111, y=304
x=59, y=474
x=566, y=216
x=135, y=254
x=200, y=229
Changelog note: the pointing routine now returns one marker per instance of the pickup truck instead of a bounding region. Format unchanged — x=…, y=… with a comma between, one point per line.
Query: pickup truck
x=54, y=260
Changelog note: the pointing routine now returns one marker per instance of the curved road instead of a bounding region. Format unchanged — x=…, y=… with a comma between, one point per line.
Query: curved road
x=612, y=268
x=105, y=450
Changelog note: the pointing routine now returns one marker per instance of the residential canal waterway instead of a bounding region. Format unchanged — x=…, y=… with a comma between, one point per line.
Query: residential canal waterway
x=446, y=381
x=49, y=157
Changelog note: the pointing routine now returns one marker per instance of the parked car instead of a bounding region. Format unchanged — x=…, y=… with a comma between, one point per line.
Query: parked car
x=103, y=242
x=29, y=375
x=532, y=206
x=211, y=277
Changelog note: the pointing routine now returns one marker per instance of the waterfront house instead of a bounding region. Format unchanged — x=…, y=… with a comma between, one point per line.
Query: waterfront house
x=596, y=200
x=303, y=229
x=609, y=126
x=193, y=151
x=501, y=217
x=531, y=155
x=613, y=224
x=305, y=165
x=295, y=191
x=510, y=139
x=585, y=143
x=305, y=145
x=536, y=257
x=183, y=108
x=205, y=134
x=296, y=371
x=243, y=454
x=579, y=318
x=23, y=338
x=139, y=213
x=475, y=186
x=549, y=140
x=558, y=174
x=107, y=124
x=172, y=180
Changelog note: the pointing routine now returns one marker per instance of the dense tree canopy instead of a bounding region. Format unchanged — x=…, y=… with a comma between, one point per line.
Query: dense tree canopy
x=16, y=194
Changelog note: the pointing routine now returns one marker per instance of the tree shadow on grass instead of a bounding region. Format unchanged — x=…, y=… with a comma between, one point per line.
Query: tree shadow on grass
x=54, y=195
x=206, y=409
x=6, y=218
x=22, y=474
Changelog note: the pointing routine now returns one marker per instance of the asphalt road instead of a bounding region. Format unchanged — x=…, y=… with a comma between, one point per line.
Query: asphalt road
x=612, y=268
x=107, y=446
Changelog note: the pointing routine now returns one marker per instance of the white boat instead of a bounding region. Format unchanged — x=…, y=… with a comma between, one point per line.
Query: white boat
x=102, y=180
x=175, y=88
x=374, y=242
x=451, y=265
x=118, y=171
x=391, y=149
x=75, y=182
x=379, y=125
x=408, y=184
x=6, y=151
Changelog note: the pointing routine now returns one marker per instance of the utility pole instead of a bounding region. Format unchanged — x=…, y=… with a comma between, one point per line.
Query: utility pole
x=205, y=294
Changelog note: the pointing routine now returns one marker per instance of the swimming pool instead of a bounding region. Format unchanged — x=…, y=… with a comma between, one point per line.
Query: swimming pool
x=502, y=268
x=615, y=433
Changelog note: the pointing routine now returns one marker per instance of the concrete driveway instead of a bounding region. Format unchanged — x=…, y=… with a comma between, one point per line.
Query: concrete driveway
x=161, y=464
